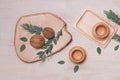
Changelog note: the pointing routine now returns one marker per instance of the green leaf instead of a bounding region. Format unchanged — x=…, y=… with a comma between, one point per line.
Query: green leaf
x=46, y=51
x=24, y=39
x=31, y=29
x=61, y=62
x=40, y=53
x=55, y=41
x=60, y=32
x=44, y=47
x=49, y=41
x=76, y=68
x=38, y=30
x=25, y=26
x=43, y=57
x=50, y=48
x=22, y=48
x=99, y=50
x=116, y=48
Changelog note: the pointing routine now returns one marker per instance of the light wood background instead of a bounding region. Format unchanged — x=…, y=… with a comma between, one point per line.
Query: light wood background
x=96, y=67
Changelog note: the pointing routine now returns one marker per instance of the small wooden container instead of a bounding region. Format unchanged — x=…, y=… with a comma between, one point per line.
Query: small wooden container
x=77, y=54
x=100, y=30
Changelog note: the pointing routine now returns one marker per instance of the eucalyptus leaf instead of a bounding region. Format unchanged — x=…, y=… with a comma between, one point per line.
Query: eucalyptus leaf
x=49, y=41
x=99, y=50
x=40, y=53
x=38, y=30
x=57, y=37
x=25, y=26
x=55, y=41
x=76, y=68
x=43, y=57
x=116, y=48
x=24, y=39
x=60, y=32
x=61, y=62
x=31, y=29
x=47, y=51
x=44, y=47
x=22, y=48
x=50, y=48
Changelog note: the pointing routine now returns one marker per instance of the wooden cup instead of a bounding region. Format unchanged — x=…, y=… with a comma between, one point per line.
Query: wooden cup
x=77, y=54
x=100, y=30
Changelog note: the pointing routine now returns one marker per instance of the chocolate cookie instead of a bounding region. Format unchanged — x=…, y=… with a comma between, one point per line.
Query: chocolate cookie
x=37, y=41
x=48, y=33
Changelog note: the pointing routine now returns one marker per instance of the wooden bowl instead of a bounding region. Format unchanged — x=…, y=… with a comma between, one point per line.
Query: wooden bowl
x=100, y=30
x=77, y=54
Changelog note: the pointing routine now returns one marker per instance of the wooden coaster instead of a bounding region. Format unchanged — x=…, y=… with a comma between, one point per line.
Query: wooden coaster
x=86, y=24
x=77, y=54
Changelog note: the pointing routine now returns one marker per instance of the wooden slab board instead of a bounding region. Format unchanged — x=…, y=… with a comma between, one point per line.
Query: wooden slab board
x=42, y=20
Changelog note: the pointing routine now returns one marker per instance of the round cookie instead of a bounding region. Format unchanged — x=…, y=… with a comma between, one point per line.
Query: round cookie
x=37, y=41
x=48, y=33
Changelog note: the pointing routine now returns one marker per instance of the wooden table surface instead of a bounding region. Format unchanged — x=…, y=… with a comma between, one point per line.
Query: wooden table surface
x=96, y=67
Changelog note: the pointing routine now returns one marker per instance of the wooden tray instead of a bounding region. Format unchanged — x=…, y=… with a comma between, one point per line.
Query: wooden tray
x=86, y=23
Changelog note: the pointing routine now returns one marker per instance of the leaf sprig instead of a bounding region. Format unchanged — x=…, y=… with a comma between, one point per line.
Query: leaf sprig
x=116, y=19
x=112, y=16
x=32, y=28
x=48, y=46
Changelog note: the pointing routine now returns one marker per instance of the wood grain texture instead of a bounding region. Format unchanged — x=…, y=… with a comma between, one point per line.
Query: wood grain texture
x=96, y=67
